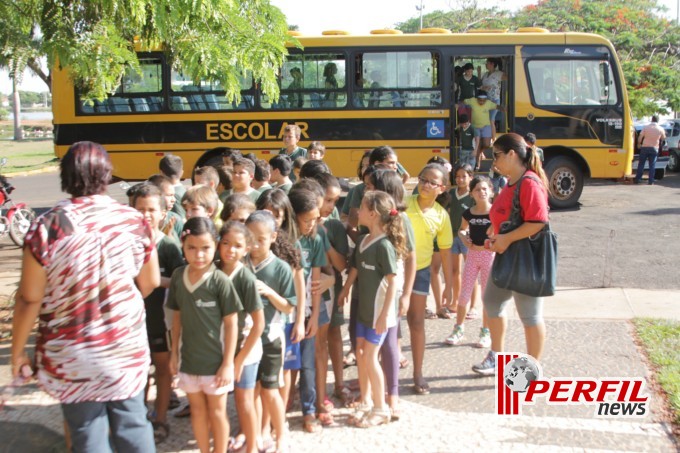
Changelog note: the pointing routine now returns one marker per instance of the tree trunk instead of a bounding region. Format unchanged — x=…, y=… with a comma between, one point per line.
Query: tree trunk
x=16, y=109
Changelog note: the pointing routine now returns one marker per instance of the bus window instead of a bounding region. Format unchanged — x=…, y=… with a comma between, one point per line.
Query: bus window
x=397, y=80
x=139, y=92
x=572, y=82
x=188, y=96
x=311, y=81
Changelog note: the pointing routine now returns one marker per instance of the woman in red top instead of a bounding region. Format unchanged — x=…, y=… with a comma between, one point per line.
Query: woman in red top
x=514, y=159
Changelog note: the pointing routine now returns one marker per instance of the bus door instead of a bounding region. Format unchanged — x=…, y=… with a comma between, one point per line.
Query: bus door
x=470, y=69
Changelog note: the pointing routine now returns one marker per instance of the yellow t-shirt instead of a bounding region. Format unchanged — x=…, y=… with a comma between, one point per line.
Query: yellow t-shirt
x=480, y=113
x=428, y=226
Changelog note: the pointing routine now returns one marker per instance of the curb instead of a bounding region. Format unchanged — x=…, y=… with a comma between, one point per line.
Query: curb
x=38, y=171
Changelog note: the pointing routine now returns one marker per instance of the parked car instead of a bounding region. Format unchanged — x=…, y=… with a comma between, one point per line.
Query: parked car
x=672, y=128
x=664, y=154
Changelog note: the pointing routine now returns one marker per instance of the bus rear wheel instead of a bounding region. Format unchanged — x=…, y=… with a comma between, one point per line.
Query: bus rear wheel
x=565, y=182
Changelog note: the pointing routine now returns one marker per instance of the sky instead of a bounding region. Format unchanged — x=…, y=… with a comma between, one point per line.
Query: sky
x=354, y=16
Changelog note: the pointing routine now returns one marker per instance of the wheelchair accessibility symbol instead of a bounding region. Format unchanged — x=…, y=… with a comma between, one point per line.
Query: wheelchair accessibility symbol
x=435, y=129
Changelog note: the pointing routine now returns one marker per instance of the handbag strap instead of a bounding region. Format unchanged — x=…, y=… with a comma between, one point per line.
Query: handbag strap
x=516, y=213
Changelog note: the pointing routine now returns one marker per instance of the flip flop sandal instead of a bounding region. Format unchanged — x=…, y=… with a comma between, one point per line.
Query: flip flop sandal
x=422, y=389
x=443, y=314
x=236, y=443
x=429, y=314
x=325, y=418
x=161, y=431
x=328, y=404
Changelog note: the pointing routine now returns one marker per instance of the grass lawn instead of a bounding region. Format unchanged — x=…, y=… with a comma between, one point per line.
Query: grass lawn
x=27, y=155
x=661, y=340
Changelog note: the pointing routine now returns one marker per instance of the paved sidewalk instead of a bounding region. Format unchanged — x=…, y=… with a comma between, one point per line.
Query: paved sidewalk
x=588, y=336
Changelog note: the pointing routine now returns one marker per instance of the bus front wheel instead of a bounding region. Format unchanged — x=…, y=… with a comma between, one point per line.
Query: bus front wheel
x=565, y=182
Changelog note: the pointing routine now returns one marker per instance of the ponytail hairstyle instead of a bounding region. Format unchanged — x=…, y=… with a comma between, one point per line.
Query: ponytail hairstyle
x=444, y=198
x=526, y=154
x=285, y=250
x=276, y=199
x=390, y=182
x=391, y=221
x=281, y=247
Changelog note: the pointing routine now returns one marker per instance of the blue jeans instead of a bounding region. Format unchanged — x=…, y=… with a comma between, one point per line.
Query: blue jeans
x=308, y=376
x=647, y=153
x=89, y=423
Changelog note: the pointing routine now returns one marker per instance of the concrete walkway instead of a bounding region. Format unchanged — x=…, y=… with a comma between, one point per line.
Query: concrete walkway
x=589, y=335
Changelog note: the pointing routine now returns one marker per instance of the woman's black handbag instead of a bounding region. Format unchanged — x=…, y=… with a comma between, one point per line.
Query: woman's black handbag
x=528, y=266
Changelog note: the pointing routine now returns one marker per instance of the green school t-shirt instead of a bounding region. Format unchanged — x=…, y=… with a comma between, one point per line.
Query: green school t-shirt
x=177, y=208
x=202, y=307
x=337, y=238
x=286, y=187
x=374, y=260
x=313, y=254
x=277, y=274
x=297, y=152
x=169, y=259
x=348, y=200
x=467, y=137
x=456, y=208
x=245, y=283
x=264, y=187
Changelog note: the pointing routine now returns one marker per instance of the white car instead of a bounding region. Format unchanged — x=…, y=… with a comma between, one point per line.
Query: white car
x=672, y=128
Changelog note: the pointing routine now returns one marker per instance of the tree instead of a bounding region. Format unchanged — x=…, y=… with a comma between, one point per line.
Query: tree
x=647, y=44
x=213, y=40
x=463, y=16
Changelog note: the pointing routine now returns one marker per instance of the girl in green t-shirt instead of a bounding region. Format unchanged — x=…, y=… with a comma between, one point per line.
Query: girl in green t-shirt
x=205, y=304
x=374, y=266
x=235, y=241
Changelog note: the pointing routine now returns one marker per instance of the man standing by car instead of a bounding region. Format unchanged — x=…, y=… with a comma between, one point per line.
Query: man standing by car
x=649, y=143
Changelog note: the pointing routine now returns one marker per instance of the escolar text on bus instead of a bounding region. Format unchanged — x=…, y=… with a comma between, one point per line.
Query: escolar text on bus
x=228, y=130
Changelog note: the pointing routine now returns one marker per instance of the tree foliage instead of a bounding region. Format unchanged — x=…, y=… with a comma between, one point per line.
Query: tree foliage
x=464, y=15
x=648, y=45
x=212, y=40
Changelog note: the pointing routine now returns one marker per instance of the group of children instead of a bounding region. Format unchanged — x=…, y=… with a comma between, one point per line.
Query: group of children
x=252, y=295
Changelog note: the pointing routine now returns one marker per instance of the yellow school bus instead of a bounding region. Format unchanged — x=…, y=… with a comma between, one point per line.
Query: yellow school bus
x=354, y=93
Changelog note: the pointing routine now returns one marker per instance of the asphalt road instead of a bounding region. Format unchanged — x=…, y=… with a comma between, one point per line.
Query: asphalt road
x=621, y=235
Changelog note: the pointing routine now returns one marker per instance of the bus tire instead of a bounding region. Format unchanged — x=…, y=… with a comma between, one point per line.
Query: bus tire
x=565, y=182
